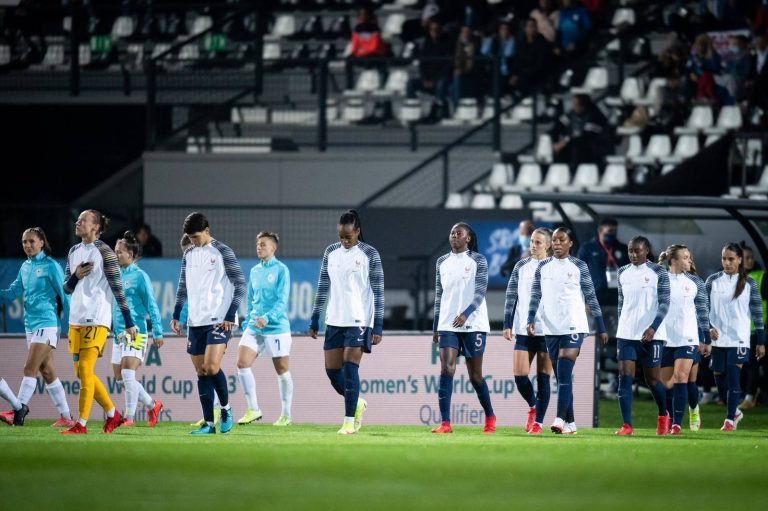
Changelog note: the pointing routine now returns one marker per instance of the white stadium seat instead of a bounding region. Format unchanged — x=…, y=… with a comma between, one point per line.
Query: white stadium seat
x=483, y=201
x=558, y=176
x=529, y=176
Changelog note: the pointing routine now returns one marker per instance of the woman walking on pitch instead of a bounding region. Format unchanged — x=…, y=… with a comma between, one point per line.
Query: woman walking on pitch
x=128, y=353
x=41, y=281
x=643, y=305
x=352, y=282
x=461, y=321
x=563, y=288
x=92, y=277
x=267, y=329
x=515, y=325
x=687, y=326
x=212, y=282
x=733, y=299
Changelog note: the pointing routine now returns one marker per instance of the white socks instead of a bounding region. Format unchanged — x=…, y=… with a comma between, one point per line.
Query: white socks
x=26, y=389
x=144, y=397
x=249, y=387
x=131, y=392
x=59, y=397
x=286, y=392
x=7, y=394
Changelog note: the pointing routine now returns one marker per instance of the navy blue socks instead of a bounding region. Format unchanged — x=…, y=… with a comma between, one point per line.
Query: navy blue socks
x=625, y=397
x=337, y=379
x=351, y=387
x=543, y=393
x=444, y=396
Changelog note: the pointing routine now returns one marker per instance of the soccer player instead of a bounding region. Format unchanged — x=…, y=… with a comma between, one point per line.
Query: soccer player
x=92, y=277
x=733, y=298
x=461, y=321
x=515, y=325
x=640, y=336
x=687, y=327
x=41, y=281
x=7, y=394
x=352, y=283
x=128, y=356
x=563, y=287
x=212, y=282
x=268, y=330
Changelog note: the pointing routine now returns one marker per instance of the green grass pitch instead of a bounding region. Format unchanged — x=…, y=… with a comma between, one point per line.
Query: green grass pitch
x=389, y=468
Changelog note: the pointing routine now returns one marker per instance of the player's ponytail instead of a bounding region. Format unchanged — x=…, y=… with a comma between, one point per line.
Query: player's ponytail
x=131, y=244
x=100, y=219
x=742, y=282
x=352, y=217
x=472, y=243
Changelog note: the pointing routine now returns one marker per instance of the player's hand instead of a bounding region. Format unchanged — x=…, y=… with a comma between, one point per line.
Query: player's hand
x=376, y=339
x=83, y=269
x=531, y=329
x=313, y=333
x=225, y=325
x=714, y=333
x=435, y=337
x=507, y=333
x=133, y=331
x=459, y=321
x=158, y=342
x=760, y=352
x=260, y=322
x=176, y=326
x=648, y=335
x=604, y=338
x=705, y=349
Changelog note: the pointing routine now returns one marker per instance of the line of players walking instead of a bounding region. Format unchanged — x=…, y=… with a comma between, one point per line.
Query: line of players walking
x=668, y=320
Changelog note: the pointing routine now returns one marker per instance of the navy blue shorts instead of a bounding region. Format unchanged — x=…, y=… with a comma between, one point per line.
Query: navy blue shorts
x=647, y=354
x=531, y=344
x=469, y=344
x=348, y=337
x=555, y=343
x=686, y=352
x=198, y=337
x=723, y=357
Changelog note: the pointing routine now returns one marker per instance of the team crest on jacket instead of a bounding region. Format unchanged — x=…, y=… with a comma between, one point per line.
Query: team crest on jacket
x=39, y=272
x=570, y=275
x=647, y=280
x=127, y=284
x=271, y=278
x=358, y=263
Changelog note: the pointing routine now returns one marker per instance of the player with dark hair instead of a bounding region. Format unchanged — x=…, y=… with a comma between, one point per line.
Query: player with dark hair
x=128, y=352
x=733, y=298
x=267, y=329
x=461, y=321
x=212, y=282
x=352, y=283
x=92, y=277
x=526, y=347
x=563, y=287
x=687, y=326
x=643, y=305
x=41, y=281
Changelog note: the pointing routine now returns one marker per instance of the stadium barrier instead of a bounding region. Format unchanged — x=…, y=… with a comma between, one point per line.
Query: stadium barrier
x=399, y=381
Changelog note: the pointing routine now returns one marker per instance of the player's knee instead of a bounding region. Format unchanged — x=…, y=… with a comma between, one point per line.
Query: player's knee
x=48, y=374
x=447, y=369
x=242, y=365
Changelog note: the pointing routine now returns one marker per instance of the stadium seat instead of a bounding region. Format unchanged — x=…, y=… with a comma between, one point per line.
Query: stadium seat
x=631, y=92
x=634, y=148
x=686, y=146
x=393, y=26
x=544, y=151
x=596, y=80
x=699, y=119
x=467, y=111
x=729, y=118
x=510, y=201
x=395, y=84
x=5, y=55
x=614, y=176
x=332, y=110
x=483, y=201
x=123, y=27
x=201, y=24
x=249, y=115
x=285, y=26
x=658, y=147
x=528, y=176
x=410, y=111
x=652, y=92
x=666, y=169
x=501, y=175
x=160, y=48
x=587, y=175
x=354, y=110
x=368, y=81
x=558, y=176
x=575, y=212
x=711, y=139
x=189, y=52
x=762, y=184
x=622, y=17
x=271, y=51
x=84, y=54
x=456, y=201
x=543, y=211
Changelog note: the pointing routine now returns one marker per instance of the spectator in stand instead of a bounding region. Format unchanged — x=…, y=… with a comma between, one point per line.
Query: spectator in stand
x=150, y=244
x=366, y=43
x=464, y=65
x=546, y=20
x=579, y=135
x=737, y=69
x=757, y=83
x=574, y=24
x=503, y=45
x=529, y=67
x=703, y=64
x=434, y=74
x=672, y=103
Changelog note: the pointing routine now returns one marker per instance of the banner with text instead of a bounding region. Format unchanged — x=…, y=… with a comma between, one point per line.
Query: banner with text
x=164, y=274
x=399, y=380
